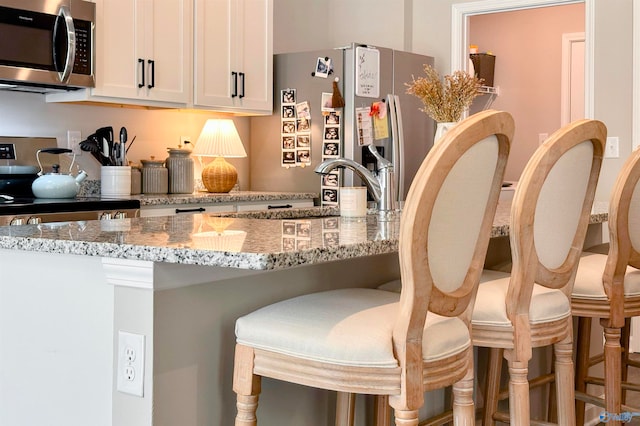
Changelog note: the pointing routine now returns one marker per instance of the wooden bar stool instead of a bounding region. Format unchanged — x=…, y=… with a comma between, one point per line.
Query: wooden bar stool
x=372, y=341
x=530, y=307
x=607, y=287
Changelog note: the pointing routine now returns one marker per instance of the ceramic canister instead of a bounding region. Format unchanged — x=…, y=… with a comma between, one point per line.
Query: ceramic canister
x=155, y=177
x=180, y=166
x=136, y=180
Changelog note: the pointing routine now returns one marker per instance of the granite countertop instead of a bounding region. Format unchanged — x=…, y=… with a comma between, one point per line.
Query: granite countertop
x=214, y=198
x=253, y=240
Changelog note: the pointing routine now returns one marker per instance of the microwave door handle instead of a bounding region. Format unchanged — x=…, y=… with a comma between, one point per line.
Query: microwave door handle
x=71, y=44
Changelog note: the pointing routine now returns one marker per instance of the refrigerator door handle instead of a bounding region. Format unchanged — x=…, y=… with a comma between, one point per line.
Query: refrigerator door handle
x=397, y=143
x=400, y=138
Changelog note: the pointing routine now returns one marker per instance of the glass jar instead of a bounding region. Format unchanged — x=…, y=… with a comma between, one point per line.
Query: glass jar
x=155, y=177
x=180, y=166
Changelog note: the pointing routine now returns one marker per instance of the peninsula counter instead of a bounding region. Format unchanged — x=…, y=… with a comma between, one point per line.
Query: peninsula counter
x=68, y=289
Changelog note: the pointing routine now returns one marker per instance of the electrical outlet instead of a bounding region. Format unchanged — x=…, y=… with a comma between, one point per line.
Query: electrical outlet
x=130, y=363
x=612, y=147
x=74, y=137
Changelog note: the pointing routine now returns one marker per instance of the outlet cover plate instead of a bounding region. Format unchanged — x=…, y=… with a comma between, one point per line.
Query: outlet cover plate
x=130, y=374
x=612, y=147
x=74, y=137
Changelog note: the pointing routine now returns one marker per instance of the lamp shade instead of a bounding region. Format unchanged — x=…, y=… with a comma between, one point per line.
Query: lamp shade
x=219, y=138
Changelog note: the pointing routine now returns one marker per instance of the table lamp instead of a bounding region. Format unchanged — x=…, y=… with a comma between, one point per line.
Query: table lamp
x=219, y=138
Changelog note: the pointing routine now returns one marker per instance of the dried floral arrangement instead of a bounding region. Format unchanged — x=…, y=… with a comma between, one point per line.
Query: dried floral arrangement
x=444, y=100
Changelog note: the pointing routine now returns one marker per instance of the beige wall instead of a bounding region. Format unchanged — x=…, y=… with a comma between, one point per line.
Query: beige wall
x=613, y=81
x=24, y=114
x=528, y=49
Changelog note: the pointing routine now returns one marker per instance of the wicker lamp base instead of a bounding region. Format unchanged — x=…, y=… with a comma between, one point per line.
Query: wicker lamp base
x=219, y=176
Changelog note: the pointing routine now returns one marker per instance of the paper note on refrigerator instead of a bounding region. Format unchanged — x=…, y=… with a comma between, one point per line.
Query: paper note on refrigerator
x=367, y=72
x=364, y=126
x=380, y=128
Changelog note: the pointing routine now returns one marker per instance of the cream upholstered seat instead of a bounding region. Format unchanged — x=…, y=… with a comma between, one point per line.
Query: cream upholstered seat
x=530, y=307
x=376, y=342
x=608, y=287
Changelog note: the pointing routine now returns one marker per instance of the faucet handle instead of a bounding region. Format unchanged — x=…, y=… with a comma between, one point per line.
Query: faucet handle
x=382, y=162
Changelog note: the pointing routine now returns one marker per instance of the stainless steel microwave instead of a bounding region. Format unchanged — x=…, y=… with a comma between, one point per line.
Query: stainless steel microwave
x=46, y=45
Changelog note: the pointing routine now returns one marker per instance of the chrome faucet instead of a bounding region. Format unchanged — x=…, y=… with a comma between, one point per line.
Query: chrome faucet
x=381, y=185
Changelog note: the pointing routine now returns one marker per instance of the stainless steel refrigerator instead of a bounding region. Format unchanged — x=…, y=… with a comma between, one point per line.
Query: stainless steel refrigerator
x=410, y=131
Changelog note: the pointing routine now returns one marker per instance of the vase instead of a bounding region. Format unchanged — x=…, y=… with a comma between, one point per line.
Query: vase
x=442, y=128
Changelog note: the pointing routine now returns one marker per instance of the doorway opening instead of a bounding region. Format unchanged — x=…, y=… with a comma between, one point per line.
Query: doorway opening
x=526, y=37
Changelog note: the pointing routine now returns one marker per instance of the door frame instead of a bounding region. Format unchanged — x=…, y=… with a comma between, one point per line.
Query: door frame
x=460, y=12
x=569, y=40
x=635, y=125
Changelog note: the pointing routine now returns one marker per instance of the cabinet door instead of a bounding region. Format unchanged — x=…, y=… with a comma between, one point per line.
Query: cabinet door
x=130, y=33
x=213, y=53
x=117, y=42
x=234, y=55
x=254, y=36
x=168, y=45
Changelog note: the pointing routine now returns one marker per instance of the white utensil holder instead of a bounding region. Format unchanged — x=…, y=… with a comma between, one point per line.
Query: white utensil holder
x=115, y=181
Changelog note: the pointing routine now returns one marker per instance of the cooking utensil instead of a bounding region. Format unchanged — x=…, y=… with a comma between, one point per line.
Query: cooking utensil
x=90, y=144
x=16, y=180
x=115, y=154
x=132, y=141
x=56, y=184
x=123, y=151
x=104, y=135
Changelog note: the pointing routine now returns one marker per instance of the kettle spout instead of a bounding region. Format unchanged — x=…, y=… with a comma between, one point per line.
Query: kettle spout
x=82, y=175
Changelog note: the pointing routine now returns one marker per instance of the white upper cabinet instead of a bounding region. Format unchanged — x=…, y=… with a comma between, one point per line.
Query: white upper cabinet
x=233, y=55
x=143, y=53
x=206, y=54
x=145, y=49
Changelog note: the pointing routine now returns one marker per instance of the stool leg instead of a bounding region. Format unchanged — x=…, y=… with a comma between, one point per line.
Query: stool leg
x=582, y=364
x=406, y=417
x=492, y=386
x=246, y=385
x=464, y=412
x=612, y=368
x=625, y=337
x=381, y=411
x=552, y=412
x=345, y=408
x=519, y=405
x=565, y=382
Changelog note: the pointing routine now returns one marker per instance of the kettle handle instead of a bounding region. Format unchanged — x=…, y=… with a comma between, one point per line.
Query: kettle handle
x=54, y=151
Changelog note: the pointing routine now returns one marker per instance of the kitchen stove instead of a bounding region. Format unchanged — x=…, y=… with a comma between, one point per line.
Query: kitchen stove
x=18, y=168
x=23, y=211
